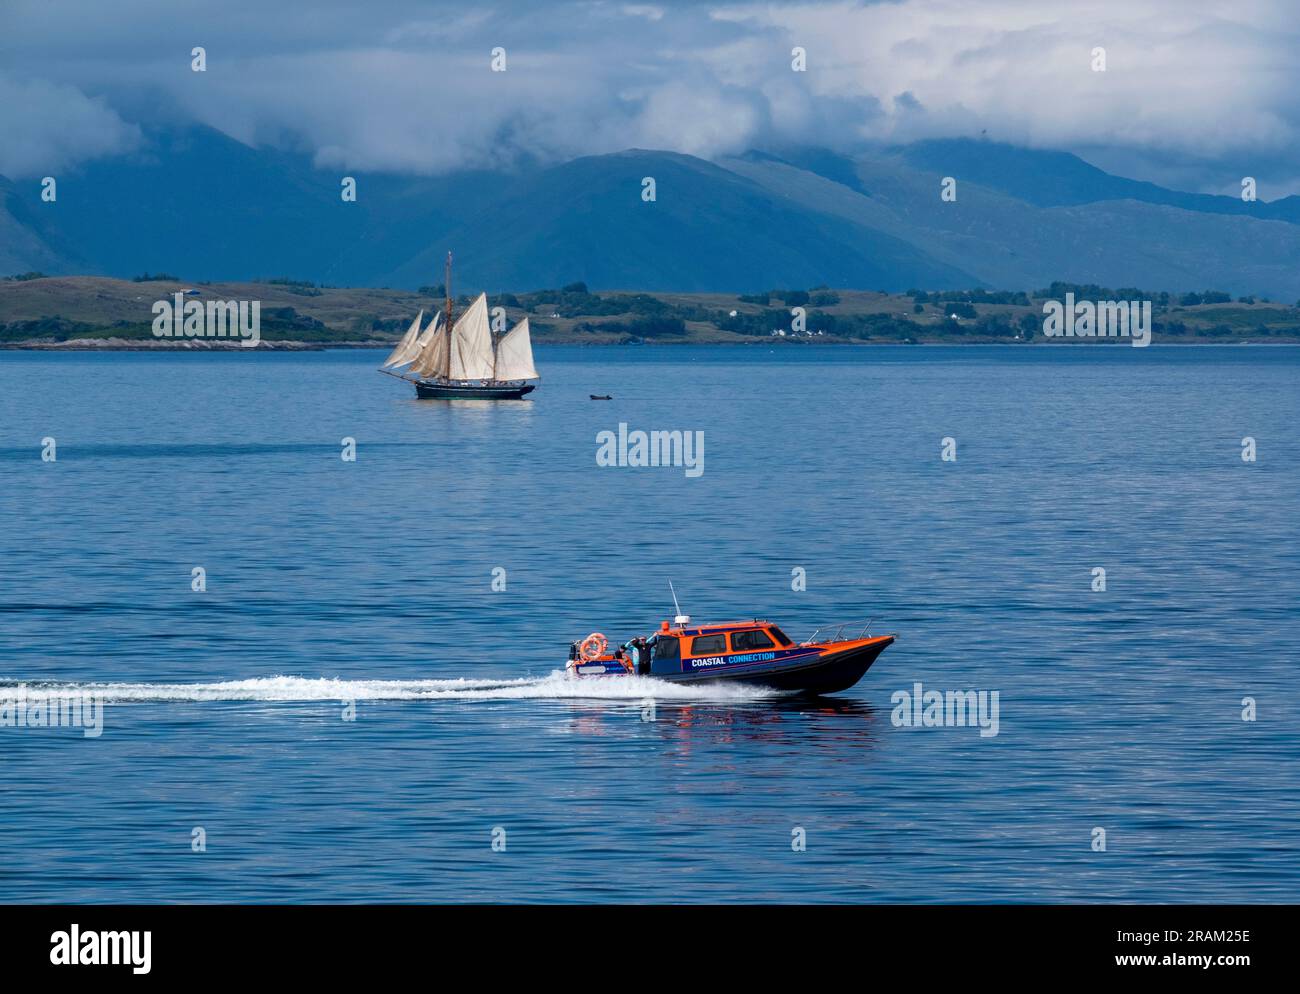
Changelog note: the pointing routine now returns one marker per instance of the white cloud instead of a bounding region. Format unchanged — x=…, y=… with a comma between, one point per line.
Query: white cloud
x=1178, y=76
x=407, y=86
x=649, y=11
x=47, y=127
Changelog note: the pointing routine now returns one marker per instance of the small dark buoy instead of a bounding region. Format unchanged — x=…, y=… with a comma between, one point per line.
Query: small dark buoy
x=598, y=397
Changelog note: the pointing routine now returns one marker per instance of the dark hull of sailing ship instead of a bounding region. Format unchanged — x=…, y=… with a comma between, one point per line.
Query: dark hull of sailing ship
x=431, y=390
x=462, y=358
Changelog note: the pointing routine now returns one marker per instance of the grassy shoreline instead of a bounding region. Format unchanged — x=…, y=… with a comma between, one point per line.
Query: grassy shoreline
x=88, y=313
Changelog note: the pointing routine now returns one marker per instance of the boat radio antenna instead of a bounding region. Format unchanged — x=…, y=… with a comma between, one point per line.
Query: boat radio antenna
x=679, y=618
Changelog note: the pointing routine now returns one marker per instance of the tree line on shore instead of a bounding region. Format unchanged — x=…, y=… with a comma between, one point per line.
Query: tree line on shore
x=574, y=311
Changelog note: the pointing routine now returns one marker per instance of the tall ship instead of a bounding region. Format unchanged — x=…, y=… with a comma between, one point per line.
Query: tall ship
x=458, y=357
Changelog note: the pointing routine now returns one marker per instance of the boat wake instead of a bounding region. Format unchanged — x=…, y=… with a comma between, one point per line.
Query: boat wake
x=556, y=686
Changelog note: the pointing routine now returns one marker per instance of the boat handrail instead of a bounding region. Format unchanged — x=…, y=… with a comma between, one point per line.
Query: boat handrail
x=835, y=632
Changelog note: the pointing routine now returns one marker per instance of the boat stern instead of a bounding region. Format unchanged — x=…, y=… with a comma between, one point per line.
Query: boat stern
x=606, y=666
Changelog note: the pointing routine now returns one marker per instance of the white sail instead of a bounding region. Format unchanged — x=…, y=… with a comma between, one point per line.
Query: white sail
x=406, y=349
x=423, y=344
x=515, y=354
x=433, y=358
x=471, y=344
x=427, y=336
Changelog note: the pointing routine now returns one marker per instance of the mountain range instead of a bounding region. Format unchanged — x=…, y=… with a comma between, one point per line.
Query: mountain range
x=195, y=202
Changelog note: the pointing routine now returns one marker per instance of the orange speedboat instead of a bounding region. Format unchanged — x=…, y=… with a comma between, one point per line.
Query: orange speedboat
x=754, y=652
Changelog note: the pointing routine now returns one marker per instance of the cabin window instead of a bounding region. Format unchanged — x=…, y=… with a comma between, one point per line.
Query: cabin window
x=779, y=635
x=666, y=649
x=747, y=641
x=708, y=645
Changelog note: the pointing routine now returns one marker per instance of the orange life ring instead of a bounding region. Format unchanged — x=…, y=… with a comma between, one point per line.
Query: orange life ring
x=593, y=647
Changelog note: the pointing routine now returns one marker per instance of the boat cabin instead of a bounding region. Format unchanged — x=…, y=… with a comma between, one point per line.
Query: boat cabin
x=682, y=649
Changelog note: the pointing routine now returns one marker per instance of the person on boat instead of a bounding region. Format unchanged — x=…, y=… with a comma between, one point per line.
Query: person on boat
x=639, y=654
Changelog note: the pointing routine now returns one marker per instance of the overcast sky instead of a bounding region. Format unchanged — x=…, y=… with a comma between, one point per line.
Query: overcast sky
x=1194, y=95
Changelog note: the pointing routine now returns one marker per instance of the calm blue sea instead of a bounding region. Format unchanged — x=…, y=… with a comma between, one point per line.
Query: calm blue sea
x=371, y=582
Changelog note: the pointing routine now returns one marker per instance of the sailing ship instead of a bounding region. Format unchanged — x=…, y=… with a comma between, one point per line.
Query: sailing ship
x=460, y=359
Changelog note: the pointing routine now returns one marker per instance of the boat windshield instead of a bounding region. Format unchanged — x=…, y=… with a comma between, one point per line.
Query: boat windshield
x=666, y=648
x=779, y=635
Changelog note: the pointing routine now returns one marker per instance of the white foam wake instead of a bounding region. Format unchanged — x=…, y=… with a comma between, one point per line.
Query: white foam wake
x=557, y=685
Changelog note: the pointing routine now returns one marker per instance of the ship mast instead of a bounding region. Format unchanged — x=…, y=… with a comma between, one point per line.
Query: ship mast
x=495, y=342
x=447, y=287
